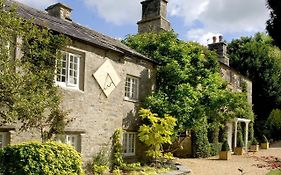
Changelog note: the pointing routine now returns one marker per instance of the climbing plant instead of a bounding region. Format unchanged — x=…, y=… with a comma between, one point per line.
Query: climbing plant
x=28, y=95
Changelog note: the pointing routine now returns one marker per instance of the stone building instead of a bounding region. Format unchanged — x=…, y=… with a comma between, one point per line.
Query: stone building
x=102, y=80
x=236, y=81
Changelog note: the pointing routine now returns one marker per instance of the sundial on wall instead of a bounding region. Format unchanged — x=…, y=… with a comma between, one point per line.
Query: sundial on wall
x=107, y=77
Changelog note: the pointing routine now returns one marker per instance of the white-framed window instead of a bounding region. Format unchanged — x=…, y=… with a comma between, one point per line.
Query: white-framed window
x=69, y=68
x=70, y=139
x=131, y=88
x=129, y=143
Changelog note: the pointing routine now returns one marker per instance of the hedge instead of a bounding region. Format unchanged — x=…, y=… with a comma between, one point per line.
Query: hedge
x=40, y=159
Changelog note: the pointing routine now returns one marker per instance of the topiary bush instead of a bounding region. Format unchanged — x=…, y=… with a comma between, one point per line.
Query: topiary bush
x=215, y=149
x=40, y=158
x=200, y=143
x=240, y=142
x=225, y=146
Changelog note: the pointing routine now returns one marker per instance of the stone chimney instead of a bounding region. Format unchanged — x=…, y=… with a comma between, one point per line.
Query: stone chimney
x=60, y=10
x=221, y=48
x=154, y=16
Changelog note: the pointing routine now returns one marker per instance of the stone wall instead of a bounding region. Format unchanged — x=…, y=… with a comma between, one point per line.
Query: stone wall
x=96, y=116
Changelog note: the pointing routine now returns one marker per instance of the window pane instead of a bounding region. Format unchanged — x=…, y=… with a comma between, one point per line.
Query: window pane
x=131, y=87
x=61, y=73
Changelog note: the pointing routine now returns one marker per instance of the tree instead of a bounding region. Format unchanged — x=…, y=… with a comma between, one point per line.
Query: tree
x=28, y=95
x=273, y=123
x=258, y=59
x=273, y=25
x=189, y=85
x=155, y=132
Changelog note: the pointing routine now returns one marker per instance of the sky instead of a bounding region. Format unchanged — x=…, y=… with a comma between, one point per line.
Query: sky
x=193, y=20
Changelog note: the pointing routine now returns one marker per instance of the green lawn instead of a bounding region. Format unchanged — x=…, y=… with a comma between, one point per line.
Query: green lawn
x=274, y=172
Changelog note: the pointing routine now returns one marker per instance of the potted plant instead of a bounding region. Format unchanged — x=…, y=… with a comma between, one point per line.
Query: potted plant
x=224, y=153
x=238, y=150
x=264, y=143
x=255, y=145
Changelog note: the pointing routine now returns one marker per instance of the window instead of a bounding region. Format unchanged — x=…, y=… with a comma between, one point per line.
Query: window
x=68, y=74
x=4, y=139
x=70, y=139
x=129, y=143
x=131, y=88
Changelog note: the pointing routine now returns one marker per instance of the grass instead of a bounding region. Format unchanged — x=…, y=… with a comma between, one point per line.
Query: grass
x=274, y=172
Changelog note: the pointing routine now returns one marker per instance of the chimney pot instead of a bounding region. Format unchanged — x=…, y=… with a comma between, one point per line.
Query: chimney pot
x=220, y=38
x=60, y=10
x=214, y=39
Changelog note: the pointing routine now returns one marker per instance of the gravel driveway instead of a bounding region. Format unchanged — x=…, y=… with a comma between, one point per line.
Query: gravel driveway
x=237, y=165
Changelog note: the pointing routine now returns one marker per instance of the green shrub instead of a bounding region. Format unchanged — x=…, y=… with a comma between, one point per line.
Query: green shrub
x=273, y=123
x=200, y=143
x=255, y=142
x=117, y=160
x=155, y=133
x=251, y=132
x=215, y=149
x=225, y=146
x=40, y=158
x=264, y=139
x=100, y=162
x=132, y=167
x=240, y=142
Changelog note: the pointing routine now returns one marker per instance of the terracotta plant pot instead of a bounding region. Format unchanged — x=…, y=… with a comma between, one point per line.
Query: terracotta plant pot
x=238, y=151
x=254, y=148
x=265, y=145
x=224, y=155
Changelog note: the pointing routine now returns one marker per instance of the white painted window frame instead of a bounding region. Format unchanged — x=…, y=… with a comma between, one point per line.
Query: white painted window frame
x=129, y=93
x=64, y=138
x=67, y=82
x=70, y=136
x=128, y=145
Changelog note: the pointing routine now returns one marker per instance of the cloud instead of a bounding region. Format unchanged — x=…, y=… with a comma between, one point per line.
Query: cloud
x=39, y=4
x=220, y=16
x=201, y=36
x=117, y=11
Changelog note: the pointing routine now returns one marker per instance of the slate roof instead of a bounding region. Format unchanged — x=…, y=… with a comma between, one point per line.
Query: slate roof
x=75, y=30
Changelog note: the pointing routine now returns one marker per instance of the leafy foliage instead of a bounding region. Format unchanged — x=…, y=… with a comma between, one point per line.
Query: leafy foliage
x=117, y=160
x=240, y=142
x=40, y=158
x=156, y=132
x=100, y=162
x=274, y=23
x=273, y=123
x=225, y=146
x=189, y=85
x=258, y=59
x=200, y=143
x=28, y=95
